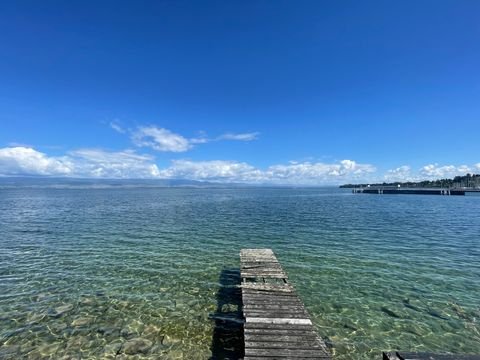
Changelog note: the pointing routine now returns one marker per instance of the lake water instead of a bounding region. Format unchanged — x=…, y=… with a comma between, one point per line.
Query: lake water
x=136, y=272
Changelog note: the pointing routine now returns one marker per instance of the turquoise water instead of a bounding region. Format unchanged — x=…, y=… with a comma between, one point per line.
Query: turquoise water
x=135, y=272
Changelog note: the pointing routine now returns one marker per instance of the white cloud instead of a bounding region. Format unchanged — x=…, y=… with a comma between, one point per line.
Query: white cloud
x=164, y=140
x=216, y=170
x=122, y=164
x=117, y=127
x=293, y=173
x=434, y=171
x=239, y=137
x=80, y=163
x=160, y=139
x=97, y=163
x=318, y=173
x=199, y=140
x=401, y=173
x=27, y=161
x=429, y=172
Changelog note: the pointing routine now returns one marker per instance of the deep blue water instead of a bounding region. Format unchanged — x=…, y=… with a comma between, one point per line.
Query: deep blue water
x=83, y=271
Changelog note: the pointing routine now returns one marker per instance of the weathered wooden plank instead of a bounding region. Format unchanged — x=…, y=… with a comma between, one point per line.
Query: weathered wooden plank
x=260, y=265
x=259, y=269
x=277, y=314
x=257, y=261
x=427, y=356
x=270, y=290
x=279, y=332
x=263, y=275
x=256, y=264
x=251, y=326
x=283, y=337
x=266, y=291
x=268, y=287
x=257, y=256
x=266, y=320
x=270, y=300
x=269, y=304
x=272, y=275
x=256, y=251
x=270, y=295
x=280, y=344
x=272, y=306
x=269, y=315
x=277, y=326
x=287, y=353
x=274, y=295
x=274, y=312
x=266, y=358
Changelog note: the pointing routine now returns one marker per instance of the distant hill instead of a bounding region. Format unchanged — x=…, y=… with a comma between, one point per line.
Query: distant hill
x=468, y=181
x=55, y=182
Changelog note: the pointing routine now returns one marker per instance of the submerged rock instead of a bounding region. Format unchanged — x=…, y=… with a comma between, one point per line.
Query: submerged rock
x=151, y=331
x=137, y=346
x=58, y=327
x=436, y=314
x=126, y=332
x=76, y=342
x=9, y=351
x=60, y=310
x=389, y=312
x=168, y=340
x=174, y=355
x=82, y=321
x=112, y=348
x=349, y=326
x=87, y=301
x=108, y=331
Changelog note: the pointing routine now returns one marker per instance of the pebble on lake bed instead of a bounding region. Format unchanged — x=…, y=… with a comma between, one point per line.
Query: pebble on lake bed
x=112, y=348
x=62, y=309
x=168, y=340
x=82, y=321
x=151, y=331
x=137, y=346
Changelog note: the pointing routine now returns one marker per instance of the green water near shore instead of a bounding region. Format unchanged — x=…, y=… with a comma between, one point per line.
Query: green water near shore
x=134, y=273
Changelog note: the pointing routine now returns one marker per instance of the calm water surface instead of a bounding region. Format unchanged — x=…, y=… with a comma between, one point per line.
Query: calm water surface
x=136, y=273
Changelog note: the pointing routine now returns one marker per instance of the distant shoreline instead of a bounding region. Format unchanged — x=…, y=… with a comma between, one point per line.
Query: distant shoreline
x=466, y=181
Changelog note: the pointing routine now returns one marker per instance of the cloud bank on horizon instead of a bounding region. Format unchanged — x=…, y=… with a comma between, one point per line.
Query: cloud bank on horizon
x=128, y=164
x=21, y=160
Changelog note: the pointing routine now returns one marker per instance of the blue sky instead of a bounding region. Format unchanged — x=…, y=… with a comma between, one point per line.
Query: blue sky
x=300, y=92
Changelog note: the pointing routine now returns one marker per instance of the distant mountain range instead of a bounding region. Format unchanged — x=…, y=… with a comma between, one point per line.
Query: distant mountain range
x=55, y=182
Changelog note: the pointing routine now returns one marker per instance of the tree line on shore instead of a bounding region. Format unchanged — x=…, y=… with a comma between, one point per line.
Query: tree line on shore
x=466, y=181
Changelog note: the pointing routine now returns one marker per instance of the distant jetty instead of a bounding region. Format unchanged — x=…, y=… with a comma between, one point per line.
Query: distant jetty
x=412, y=191
x=459, y=185
x=469, y=182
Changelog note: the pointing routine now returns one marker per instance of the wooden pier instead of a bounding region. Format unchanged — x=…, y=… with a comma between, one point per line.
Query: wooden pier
x=411, y=191
x=427, y=356
x=277, y=326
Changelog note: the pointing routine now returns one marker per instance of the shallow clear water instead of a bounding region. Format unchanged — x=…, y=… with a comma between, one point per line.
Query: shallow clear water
x=99, y=273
